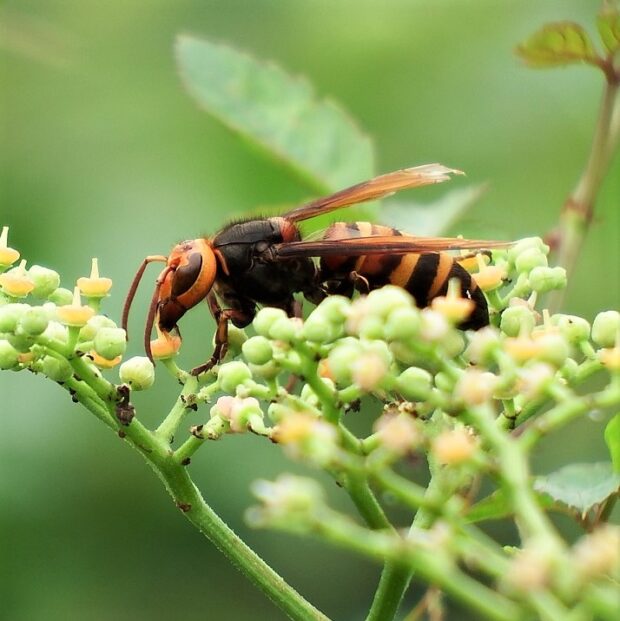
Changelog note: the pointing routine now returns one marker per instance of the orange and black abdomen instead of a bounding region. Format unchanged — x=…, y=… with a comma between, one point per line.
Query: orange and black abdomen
x=425, y=276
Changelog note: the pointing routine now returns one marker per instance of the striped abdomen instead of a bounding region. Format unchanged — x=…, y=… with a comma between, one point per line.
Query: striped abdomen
x=425, y=276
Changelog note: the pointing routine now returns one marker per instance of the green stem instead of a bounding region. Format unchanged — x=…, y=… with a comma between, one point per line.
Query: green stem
x=171, y=423
x=578, y=210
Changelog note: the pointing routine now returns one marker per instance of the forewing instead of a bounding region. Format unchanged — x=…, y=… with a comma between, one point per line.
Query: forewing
x=376, y=188
x=379, y=244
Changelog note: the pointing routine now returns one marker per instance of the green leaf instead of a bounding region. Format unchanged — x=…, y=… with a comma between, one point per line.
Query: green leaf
x=580, y=486
x=434, y=219
x=608, y=24
x=612, y=438
x=496, y=506
x=557, y=44
x=277, y=112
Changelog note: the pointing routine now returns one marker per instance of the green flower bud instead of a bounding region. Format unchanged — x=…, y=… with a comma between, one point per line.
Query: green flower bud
x=34, y=321
x=61, y=296
x=93, y=325
x=402, y=324
x=319, y=329
x=138, y=372
x=46, y=281
x=265, y=318
x=526, y=244
x=232, y=374
x=570, y=369
x=10, y=314
x=236, y=338
x=56, y=369
x=334, y=308
x=531, y=258
x=573, y=328
x=341, y=358
x=543, y=279
x=257, y=350
x=8, y=356
x=371, y=327
x=605, y=329
x=414, y=384
x=285, y=329
x=516, y=319
x=482, y=346
x=267, y=371
x=386, y=300
x=444, y=382
x=110, y=343
x=453, y=344
x=552, y=348
x=242, y=413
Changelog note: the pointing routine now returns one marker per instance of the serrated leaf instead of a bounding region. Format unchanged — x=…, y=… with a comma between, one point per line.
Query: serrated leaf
x=557, y=44
x=608, y=24
x=434, y=219
x=580, y=486
x=277, y=112
x=612, y=438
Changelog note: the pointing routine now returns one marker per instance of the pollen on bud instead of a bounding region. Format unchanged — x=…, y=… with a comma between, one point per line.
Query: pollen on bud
x=598, y=553
x=103, y=363
x=94, y=286
x=529, y=570
x=490, y=277
x=534, y=379
x=368, y=371
x=452, y=306
x=166, y=345
x=399, y=433
x=610, y=358
x=473, y=263
x=75, y=314
x=138, y=372
x=16, y=282
x=8, y=256
x=455, y=446
x=305, y=436
x=476, y=387
x=521, y=348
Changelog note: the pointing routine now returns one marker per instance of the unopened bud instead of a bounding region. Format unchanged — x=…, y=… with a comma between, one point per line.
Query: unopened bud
x=9, y=356
x=232, y=374
x=257, y=350
x=414, y=384
x=138, y=372
x=57, y=369
x=606, y=328
x=45, y=281
x=110, y=342
x=265, y=318
x=34, y=321
x=544, y=279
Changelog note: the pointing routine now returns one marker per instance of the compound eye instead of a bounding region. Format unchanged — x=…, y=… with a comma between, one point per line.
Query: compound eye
x=186, y=275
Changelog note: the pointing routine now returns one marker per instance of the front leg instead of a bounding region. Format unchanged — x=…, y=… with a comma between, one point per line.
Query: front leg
x=222, y=317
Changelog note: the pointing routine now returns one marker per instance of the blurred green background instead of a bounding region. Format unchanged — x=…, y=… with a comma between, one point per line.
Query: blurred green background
x=104, y=154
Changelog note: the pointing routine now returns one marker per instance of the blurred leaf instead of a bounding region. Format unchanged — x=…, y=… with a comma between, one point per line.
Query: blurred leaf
x=608, y=23
x=496, y=506
x=562, y=43
x=580, y=486
x=277, y=112
x=612, y=438
x=434, y=219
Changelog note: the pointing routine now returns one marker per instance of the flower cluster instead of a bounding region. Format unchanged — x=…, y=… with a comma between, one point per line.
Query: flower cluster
x=444, y=396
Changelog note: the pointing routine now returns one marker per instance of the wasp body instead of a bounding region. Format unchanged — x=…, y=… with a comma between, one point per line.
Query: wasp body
x=265, y=261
